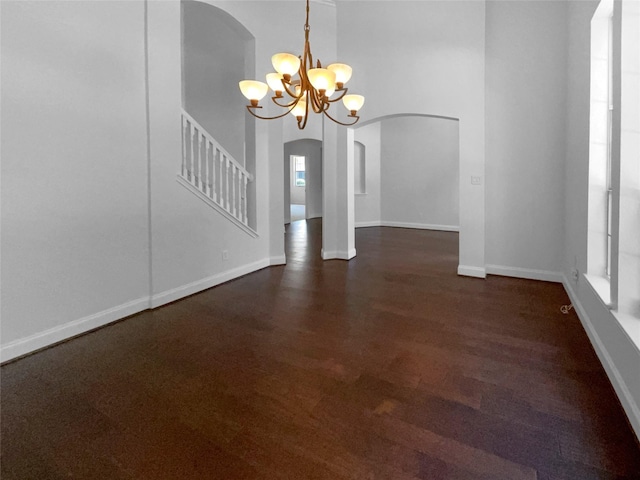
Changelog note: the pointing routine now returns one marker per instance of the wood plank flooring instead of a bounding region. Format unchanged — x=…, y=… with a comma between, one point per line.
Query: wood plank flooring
x=389, y=366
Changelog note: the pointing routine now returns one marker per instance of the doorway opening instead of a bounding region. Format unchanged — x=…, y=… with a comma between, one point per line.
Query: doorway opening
x=302, y=180
x=407, y=174
x=298, y=188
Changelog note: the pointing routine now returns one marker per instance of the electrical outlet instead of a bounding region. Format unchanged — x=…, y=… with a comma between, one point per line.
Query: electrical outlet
x=225, y=255
x=574, y=274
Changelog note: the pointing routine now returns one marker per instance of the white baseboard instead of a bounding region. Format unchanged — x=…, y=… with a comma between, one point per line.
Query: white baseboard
x=469, y=271
x=328, y=254
x=182, y=291
x=529, y=273
x=47, y=338
x=629, y=404
x=347, y=255
x=337, y=254
x=278, y=260
x=368, y=224
x=419, y=226
x=54, y=335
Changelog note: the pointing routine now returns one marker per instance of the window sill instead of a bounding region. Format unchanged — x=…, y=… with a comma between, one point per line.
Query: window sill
x=629, y=324
x=602, y=287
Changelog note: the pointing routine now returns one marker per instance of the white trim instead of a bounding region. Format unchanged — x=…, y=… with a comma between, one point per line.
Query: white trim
x=54, y=335
x=347, y=255
x=209, y=201
x=375, y=223
x=278, y=260
x=419, y=226
x=182, y=291
x=469, y=271
x=328, y=254
x=624, y=395
x=338, y=254
x=47, y=338
x=529, y=273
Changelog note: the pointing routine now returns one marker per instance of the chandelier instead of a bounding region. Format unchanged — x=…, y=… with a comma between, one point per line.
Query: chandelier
x=313, y=88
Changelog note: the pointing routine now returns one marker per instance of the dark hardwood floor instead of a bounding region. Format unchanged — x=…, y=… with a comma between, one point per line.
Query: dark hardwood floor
x=389, y=366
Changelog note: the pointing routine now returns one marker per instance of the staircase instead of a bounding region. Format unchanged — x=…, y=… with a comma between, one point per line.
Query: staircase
x=213, y=175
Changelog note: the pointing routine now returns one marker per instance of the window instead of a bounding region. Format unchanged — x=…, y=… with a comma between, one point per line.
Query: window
x=613, y=259
x=601, y=194
x=299, y=171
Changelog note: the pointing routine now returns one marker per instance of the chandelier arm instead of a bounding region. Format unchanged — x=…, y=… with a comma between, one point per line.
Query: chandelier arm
x=337, y=99
x=317, y=104
x=250, y=109
x=288, y=105
x=306, y=115
x=340, y=123
x=289, y=92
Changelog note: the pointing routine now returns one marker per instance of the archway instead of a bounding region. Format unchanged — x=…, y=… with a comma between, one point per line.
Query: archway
x=411, y=172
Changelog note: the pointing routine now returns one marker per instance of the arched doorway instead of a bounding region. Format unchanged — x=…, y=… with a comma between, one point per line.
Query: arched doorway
x=410, y=174
x=303, y=178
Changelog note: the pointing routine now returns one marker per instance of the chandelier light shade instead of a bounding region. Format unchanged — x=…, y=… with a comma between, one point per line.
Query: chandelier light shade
x=254, y=90
x=298, y=86
x=353, y=102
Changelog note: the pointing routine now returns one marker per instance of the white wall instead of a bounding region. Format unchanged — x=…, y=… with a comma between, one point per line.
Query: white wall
x=433, y=63
x=419, y=172
x=367, y=206
x=525, y=112
x=74, y=162
x=616, y=350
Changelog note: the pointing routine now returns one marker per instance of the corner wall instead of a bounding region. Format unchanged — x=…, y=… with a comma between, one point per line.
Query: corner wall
x=525, y=137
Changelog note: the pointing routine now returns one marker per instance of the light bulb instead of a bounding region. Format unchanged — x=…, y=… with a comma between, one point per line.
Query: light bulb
x=301, y=107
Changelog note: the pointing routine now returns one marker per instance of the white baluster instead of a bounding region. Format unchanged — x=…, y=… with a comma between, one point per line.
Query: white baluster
x=245, y=218
x=226, y=191
x=183, y=169
x=217, y=176
x=234, y=206
x=199, y=167
x=207, y=186
x=212, y=193
x=191, y=160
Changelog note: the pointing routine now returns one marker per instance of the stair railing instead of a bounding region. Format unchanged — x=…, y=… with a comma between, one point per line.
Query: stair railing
x=212, y=171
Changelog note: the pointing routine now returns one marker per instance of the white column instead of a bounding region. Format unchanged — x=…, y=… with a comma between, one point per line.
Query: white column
x=329, y=190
